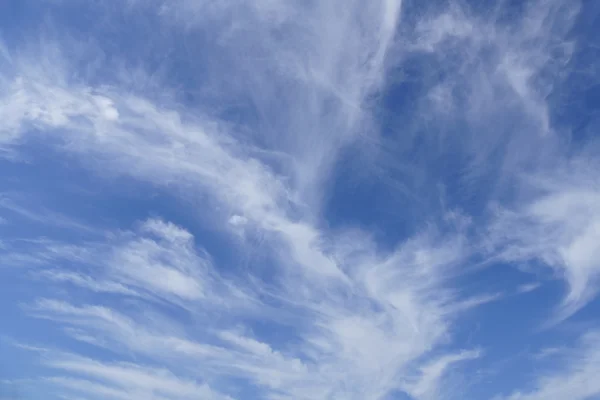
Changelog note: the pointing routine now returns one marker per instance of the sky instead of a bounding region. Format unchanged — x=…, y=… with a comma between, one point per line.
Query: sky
x=299, y=200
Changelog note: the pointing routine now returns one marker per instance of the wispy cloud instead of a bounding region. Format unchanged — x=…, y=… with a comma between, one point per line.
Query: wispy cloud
x=18, y=205
x=241, y=114
x=345, y=335
x=527, y=287
x=123, y=380
x=158, y=261
x=429, y=386
x=558, y=226
x=575, y=377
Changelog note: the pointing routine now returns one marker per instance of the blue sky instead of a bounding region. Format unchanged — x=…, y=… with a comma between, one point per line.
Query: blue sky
x=277, y=199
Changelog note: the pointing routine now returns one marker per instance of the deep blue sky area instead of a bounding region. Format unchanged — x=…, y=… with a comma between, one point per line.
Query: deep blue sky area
x=290, y=200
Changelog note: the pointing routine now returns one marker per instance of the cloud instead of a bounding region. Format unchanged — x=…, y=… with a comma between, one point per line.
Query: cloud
x=574, y=378
x=158, y=261
x=472, y=72
x=162, y=146
x=527, y=287
x=86, y=282
x=338, y=349
x=18, y=205
x=496, y=69
x=428, y=385
x=244, y=125
x=124, y=380
x=237, y=220
x=558, y=227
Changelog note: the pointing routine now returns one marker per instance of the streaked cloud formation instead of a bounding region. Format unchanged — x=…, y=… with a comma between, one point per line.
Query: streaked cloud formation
x=300, y=200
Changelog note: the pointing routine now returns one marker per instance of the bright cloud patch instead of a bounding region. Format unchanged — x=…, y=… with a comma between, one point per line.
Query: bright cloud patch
x=384, y=200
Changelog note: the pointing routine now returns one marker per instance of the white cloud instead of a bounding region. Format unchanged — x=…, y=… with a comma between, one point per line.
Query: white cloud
x=493, y=70
x=4, y=51
x=107, y=108
x=342, y=344
x=238, y=220
x=428, y=386
x=86, y=282
x=358, y=319
x=126, y=380
x=492, y=99
x=575, y=378
x=23, y=207
x=558, y=226
x=158, y=261
x=527, y=287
